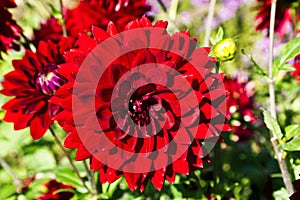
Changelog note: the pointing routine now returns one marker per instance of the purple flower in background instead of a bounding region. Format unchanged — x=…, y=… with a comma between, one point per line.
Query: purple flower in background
x=227, y=9
x=199, y=2
x=155, y=7
x=262, y=48
x=186, y=17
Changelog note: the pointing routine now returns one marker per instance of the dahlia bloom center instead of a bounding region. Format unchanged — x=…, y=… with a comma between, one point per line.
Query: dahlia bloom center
x=139, y=106
x=48, y=80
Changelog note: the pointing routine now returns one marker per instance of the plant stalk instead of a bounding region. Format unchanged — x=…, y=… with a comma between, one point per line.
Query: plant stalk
x=209, y=22
x=64, y=29
x=69, y=159
x=6, y=166
x=91, y=177
x=281, y=161
x=162, y=5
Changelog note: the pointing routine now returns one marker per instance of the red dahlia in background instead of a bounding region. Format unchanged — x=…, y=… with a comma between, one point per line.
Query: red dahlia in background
x=9, y=30
x=92, y=12
x=283, y=19
x=50, y=30
x=53, y=192
x=145, y=104
x=296, y=73
x=31, y=84
x=240, y=106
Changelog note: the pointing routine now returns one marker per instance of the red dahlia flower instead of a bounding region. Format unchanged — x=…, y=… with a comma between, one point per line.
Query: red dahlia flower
x=9, y=30
x=144, y=115
x=7, y=4
x=296, y=195
x=50, y=30
x=53, y=192
x=283, y=19
x=296, y=73
x=240, y=107
x=32, y=83
x=93, y=12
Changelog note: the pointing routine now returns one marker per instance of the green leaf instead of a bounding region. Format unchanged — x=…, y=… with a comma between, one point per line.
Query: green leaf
x=257, y=68
x=68, y=176
x=287, y=68
x=291, y=131
x=289, y=51
x=272, y=124
x=281, y=194
x=55, y=12
x=213, y=41
x=219, y=36
x=113, y=186
x=64, y=190
x=7, y=191
x=293, y=145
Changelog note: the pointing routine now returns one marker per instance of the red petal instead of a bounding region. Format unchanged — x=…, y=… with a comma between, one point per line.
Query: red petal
x=158, y=179
x=181, y=166
x=37, y=130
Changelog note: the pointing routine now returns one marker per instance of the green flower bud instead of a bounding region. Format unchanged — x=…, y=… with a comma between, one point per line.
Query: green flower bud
x=225, y=50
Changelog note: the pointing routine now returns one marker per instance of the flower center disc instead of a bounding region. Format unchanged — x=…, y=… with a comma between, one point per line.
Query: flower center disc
x=48, y=80
x=140, y=103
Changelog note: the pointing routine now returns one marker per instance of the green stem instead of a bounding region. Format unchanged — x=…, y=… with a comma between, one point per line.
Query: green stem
x=174, y=5
x=217, y=167
x=209, y=22
x=162, y=5
x=6, y=166
x=173, y=10
x=64, y=29
x=58, y=142
x=27, y=41
x=281, y=161
x=91, y=177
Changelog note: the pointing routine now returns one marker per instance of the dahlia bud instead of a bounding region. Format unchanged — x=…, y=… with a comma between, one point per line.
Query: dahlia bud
x=225, y=50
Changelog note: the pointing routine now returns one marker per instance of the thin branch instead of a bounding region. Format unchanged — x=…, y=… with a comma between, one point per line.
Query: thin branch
x=69, y=159
x=173, y=10
x=27, y=41
x=6, y=166
x=209, y=22
x=165, y=11
x=281, y=161
x=64, y=29
x=162, y=5
x=91, y=177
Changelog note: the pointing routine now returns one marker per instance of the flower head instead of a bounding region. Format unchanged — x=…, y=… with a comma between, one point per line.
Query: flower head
x=225, y=50
x=9, y=30
x=31, y=84
x=296, y=73
x=240, y=106
x=283, y=18
x=147, y=113
x=92, y=12
x=53, y=192
x=50, y=30
x=8, y=4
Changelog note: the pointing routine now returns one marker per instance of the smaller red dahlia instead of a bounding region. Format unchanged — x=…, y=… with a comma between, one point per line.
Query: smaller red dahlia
x=296, y=73
x=53, y=192
x=92, y=12
x=8, y=4
x=9, y=30
x=283, y=19
x=240, y=107
x=32, y=83
x=50, y=30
